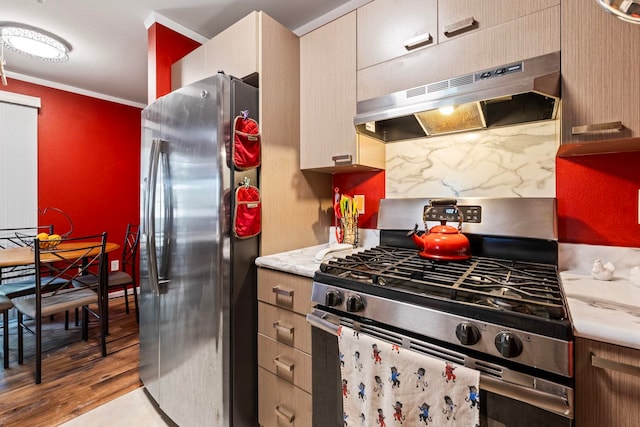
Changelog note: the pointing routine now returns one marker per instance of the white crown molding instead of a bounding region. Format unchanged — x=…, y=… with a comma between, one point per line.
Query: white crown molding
x=72, y=89
x=155, y=17
x=329, y=16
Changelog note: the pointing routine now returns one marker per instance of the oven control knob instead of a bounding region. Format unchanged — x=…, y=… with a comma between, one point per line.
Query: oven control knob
x=508, y=344
x=467, y=333
x=354, y=303
x=332, y=298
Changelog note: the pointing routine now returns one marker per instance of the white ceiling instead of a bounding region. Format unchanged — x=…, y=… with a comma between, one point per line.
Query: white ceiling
x=109, y=38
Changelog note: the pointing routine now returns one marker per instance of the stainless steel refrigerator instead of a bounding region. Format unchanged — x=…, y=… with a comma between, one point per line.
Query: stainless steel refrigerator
x=198, y=321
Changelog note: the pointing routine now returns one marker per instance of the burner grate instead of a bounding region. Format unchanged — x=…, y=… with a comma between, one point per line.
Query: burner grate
x=498, y=284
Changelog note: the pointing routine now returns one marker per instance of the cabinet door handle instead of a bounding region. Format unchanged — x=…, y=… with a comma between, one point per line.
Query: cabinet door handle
x=599, y=362
x=596, y=127
x=419, y=41
x=460, y=26
x=342, y=159
x=280, y=291
x=285, y=415
x=283, y=365
x=282, y=327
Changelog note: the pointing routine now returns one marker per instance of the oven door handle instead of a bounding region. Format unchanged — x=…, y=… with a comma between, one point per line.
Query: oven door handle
x=317, y=319
x=547, y=401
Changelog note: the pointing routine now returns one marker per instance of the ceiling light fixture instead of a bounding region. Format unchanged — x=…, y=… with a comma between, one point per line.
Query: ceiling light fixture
x=34, y=42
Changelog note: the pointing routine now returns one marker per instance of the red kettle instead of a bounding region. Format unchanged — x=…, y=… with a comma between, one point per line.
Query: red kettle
x=442, y=242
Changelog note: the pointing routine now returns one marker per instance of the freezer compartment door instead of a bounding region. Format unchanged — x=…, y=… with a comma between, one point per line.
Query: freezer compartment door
x=149, y=315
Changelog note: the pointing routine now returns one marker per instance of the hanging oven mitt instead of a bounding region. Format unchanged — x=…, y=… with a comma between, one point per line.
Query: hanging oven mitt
x=246, y=142
x=246, y=215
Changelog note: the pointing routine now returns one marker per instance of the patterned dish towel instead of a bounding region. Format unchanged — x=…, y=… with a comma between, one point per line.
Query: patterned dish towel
x=394, y=386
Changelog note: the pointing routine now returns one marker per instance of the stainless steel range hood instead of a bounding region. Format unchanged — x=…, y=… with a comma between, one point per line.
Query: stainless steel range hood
x=515, y=93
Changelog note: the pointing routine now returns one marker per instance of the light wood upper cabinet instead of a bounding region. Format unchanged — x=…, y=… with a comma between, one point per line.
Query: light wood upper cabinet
x=222, y=53
x=514, y=37
x=607, y=384
x=389, y=29
x=328, y=141
x=459, y=17
x=600, y=70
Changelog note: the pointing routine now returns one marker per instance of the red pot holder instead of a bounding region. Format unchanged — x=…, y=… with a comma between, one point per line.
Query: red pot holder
x=246, y=142
x=247, y=212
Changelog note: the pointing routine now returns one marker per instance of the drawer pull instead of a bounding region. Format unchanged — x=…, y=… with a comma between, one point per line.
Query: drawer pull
x=282, y=327
x=283, y=365
x=345, y=159
x=460, y=26
x=419, y=41
x=284, y=292
x=284, y=415
x=599, y=362
x=596, y=127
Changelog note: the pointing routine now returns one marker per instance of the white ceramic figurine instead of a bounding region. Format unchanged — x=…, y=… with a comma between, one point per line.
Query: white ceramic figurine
x=602, y=272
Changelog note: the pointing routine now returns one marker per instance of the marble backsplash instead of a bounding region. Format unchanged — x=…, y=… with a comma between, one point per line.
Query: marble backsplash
x=516, y=161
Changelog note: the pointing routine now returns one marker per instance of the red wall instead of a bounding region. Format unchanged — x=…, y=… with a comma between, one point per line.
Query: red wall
x=598, y=199
x=371, y=185
x=88, y=161
x=165, y=47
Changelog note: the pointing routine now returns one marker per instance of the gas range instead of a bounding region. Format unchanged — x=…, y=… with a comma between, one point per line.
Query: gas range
x=505, y=301
x=494, y=305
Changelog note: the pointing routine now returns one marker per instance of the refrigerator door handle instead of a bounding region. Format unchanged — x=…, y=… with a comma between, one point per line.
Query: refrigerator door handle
x=149, y=214
x=167, y=215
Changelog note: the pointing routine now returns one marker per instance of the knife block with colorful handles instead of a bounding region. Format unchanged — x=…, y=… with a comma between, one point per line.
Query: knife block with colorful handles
x=349, y=227
x=347, y=210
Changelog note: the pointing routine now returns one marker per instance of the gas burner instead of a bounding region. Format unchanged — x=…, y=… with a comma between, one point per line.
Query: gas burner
x=358, y=275
x=504, y=299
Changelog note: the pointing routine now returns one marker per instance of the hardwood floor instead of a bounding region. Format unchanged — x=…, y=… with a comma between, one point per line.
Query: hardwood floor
x=75, y=377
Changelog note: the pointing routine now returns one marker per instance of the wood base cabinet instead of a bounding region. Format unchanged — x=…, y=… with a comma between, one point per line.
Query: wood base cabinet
x=281, y=403
x=607, y=384
x=284, y=350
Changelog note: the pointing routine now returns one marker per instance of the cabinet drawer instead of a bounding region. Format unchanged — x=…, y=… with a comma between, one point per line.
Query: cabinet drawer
x=284, y=326
x=285, y=290
x=280, y=403
x=286, y=362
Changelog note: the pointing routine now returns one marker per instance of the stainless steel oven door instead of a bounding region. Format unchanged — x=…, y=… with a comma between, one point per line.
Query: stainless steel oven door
x=509, y=398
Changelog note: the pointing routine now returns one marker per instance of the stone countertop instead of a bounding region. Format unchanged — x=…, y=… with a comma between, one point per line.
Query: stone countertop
x=606, y=311
x=300, y=261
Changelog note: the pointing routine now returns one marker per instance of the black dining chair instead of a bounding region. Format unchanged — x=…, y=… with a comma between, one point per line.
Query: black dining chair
x=19, y=280
x=68, y=276
x=5, y=305
x=126, y=276
x=16, y=280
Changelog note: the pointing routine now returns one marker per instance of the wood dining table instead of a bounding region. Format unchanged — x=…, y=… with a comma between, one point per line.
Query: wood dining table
x=25, y=255
x=15, y=257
